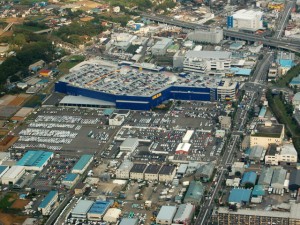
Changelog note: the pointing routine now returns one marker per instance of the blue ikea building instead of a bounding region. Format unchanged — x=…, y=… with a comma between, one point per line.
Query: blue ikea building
x=142, y=102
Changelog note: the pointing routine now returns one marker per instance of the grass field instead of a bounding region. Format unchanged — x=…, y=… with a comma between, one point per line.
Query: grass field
x=7, y=201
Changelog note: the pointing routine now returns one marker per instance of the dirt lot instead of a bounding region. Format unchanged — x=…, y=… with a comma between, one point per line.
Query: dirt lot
x=87, y=5
x=19, y=100
x=8, y=219
x=20, y=204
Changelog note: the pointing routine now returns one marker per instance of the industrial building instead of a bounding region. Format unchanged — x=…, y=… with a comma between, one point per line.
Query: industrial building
x=13, y=175
x=207, y=62
x=212, y=36
x=294, y=183
x=3, y=170
x=98, y=209
x=246, y=20
x=183, y=148
x=205, y=172
x=82, y=164
x=48, y=202
x=81, y=209
x=70, y=180
x=225, y=216
x=249, y=179
x=285, y=154
x=151, y=173
x=227, y=90
x=137, y=171
x=35, y=160
x=265, y=176
x=167, y=173
x=166, y=215
x=266, y=134
x=129, y=144
x=239, y=196
x=129, y=221
x=161, y=46
x=187, y=137
x=181, y=171
x=278, y=178
x=194, y=193
x=184, y=214
x=120, y=41
x=129, y=88
x=112, y=215
x=123, y=171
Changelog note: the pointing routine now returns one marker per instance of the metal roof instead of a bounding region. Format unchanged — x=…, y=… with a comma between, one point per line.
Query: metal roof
x=99, y=207
x=258, y=190
x=82, y=162
x=206, y=170
x=82, y=207
x=3, y=168
x=13, y=172
x=153, y=169
x=182, y=168
x=195, y=191
x=249, y=177
x=166, y=170
x=138, y=168
x=208, y=54
x=48, y=199
x=71, y=177
x=278, y=176
x=166, y=213
x=238, y=195
x=129, y=221
x=265, y=176
x=184, y=212
x=34, y=158
x=129, y=142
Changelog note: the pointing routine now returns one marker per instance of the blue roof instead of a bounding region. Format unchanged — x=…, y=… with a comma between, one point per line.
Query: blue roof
x=258, y=190
x=70, y=177
x=3, y=168
x=100, y=207
x=241, y=71
x=84, y=159
x=248, y=151
x=286, y=63
x=195, y=190
x=236, y=45
x=108, y=112
x=48, y=199
x=34, y=158
x=262, y=112
x=295, y=80
x=249, y=177
x=238, y=195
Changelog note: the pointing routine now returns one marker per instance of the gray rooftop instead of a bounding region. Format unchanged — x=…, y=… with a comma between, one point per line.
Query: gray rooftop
x=82, y=207
x=166, y=213
x=256, y=152
x=129, y=142
x=183, y=213
x=208, y=54
x=278, y=176
x=138, y=168
x=265, y=176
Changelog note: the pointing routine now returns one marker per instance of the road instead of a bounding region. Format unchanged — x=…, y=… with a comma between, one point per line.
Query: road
x=283, y=19
x=262, y=67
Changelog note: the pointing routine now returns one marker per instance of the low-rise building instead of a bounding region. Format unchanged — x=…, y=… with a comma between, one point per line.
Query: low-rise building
x=161, y=46
x=294, y=183
x=265, y=176
x=112, y=215
x=82, y=164
x=285, y=154
x=194, y=193
x=239, y=197
x=81, y=209
x=129, y=144
x=35, y=160
x=129, y=221
x=278, y=178
x=151, y=173
x=257, y=153
x=48, y=202
x=225, y=122
x=184, y=214
x=70, y=180
x=266, y=134
x=249, y=179
x=98, y=209
x=13, y=175
x=183, y=148
x=213, y=36
x=166, y=215
x=3, y=170
x=137, y=171
x=205, y=172
x=237, y=167
x=116, y=120
x=123, y=172
x=227, y=90
x=167, y=173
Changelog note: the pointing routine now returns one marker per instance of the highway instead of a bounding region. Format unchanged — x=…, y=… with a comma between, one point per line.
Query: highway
x=286, y=44
x=262, y=67
x=284, y=17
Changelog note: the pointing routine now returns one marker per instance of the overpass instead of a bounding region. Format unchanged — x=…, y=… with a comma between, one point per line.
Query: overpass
x=6, y=28
x=272, y=42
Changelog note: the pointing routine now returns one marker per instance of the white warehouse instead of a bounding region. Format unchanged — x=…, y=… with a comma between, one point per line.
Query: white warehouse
x=13, y=175
x=247, y=19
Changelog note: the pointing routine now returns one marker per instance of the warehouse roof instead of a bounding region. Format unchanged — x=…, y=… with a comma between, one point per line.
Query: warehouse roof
x=82, y=162
x=184, y=212
x=206, y=169
x=48, y=199
x=208, y=54
x=81, y=100
x=71, y=177
x=100, y=207
x=138, y=168
x=288, y=149
x=126, y=165
x=34, y=158
x=183, y=147
x=2, y=168
x=13, y=172
x=166, y=170
x=295, y=177
x=256, y=152
x=249, y=177
x=241, y=71
x=153, y=169
x=129, y=143
x=182, y=168
x=258, y=190
x=278, y=176
x=82, y=207
x=166, y=213
x=238, y=195
x=265, y=176
x=195, y=190
x=129, y=221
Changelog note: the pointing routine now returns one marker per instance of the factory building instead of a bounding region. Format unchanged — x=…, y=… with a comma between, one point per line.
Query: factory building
x=70, y=180
x=137, y=171
x=184, y=214
x=98, y=209
x=129, y=221
x=166, y=215
x=123, y=171
x=151, y=173
x=212, y=36
x=186, y=138
x=112, y=215
x=167, y=173
x=161, y=46
x=116, y=120
x=129, y=144
x=207, y=62
x=82, y=208
x=35, y=160
x=194, y=193
x=82, y=164
x=13, y=175
x=48, y=202
x=3, y=170
x=239, y=196
x=246, y=19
